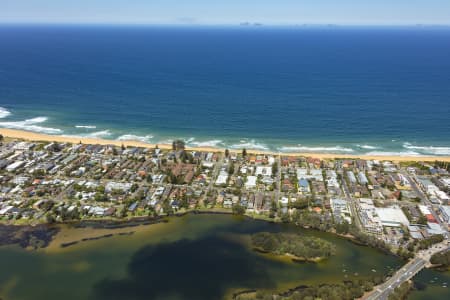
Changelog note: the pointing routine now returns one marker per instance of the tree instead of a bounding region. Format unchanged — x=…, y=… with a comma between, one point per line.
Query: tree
x=50, y=218
x=422, y=220
x=238, y=209
x=274, y=168
x=178, y=145
x=231, y=169
x=244, y=152
x=100, y=197
x=1, y=138
x=343, y=228
x=428, y=242
x=100, y=189
x=122, y=147
x=285, y=218
x=227, y=153
x=441, y=258
x=123, y=213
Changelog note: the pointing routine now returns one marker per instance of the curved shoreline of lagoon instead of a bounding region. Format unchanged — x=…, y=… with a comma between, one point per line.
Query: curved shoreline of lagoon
x=211, y=242
x=93, y=238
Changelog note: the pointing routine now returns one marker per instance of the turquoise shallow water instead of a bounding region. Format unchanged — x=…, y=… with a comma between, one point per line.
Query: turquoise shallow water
x=345, y=90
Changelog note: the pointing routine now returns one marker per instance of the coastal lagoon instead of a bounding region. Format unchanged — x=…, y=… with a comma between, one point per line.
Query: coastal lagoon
x=431, y=285
x=204, y=256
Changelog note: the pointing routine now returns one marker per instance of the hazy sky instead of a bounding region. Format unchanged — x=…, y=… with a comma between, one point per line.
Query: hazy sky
x=385, y=12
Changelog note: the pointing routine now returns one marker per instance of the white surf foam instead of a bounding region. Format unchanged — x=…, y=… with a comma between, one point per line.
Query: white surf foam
x=165, y=142
x=86, y=126
x=31, y=125
x=94, y=135
x=132, y=137
x=4, y=112
x=301, y=148
x=391, y=153
x=368, y=147
x=99, y=134
x=434, y=150
x=252, y=145
x=212, y=143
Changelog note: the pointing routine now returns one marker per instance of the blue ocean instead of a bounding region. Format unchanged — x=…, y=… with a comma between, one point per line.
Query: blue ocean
x=373, y=90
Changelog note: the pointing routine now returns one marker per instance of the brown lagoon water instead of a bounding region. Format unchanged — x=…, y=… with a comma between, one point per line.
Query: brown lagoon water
x=190, y=257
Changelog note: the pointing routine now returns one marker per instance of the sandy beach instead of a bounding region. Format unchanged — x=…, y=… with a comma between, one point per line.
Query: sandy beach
x=32, y=136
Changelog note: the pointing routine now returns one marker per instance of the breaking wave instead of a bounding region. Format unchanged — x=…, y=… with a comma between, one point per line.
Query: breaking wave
x=252, y=145
x=31, y=125
x=99, y=134
x=212, y=143
x=86, y=126
x=132, y=137
x=4, y=112
x=391, y=153
x=367, y=147
x=93, y=135
x=300, y=148
x=428, y=149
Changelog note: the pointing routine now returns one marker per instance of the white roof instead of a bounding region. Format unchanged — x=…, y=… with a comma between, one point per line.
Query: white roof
x=446, y=208
x=261, y=170
x=442, y=195
x=207, y=164
x=15, y=165
x=434, y=228
x=392, y=216
x=284, y=200
x=316, y=172
x=424, y=210
x=251, y=181
x=302, y=171
x=221, y=179
x=5, y=210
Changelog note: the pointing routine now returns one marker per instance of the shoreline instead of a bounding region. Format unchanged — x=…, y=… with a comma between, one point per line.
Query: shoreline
x=33, y=136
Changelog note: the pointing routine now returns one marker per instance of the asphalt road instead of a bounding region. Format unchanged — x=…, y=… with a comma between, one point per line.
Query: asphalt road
x=351, y=201
x=404, y=274
x=427, y=202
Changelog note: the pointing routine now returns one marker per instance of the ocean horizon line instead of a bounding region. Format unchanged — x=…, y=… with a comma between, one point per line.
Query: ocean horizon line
x=242, y=25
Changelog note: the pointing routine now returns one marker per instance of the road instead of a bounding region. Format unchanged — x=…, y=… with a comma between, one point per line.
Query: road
x=408, y=271
x=404, y=274
x=278, y=178
x=215, y=172
x=419, y=262
x=351, y=202
x=426, y=201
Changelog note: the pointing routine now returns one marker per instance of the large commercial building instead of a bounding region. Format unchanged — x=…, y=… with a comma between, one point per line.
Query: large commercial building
x=392, y=216
x=369, y=217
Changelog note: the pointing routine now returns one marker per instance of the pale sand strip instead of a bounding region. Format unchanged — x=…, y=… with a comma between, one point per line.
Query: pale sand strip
x=32, y=136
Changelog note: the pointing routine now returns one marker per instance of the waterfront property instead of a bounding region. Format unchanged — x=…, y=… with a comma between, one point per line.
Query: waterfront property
x=64, y=182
